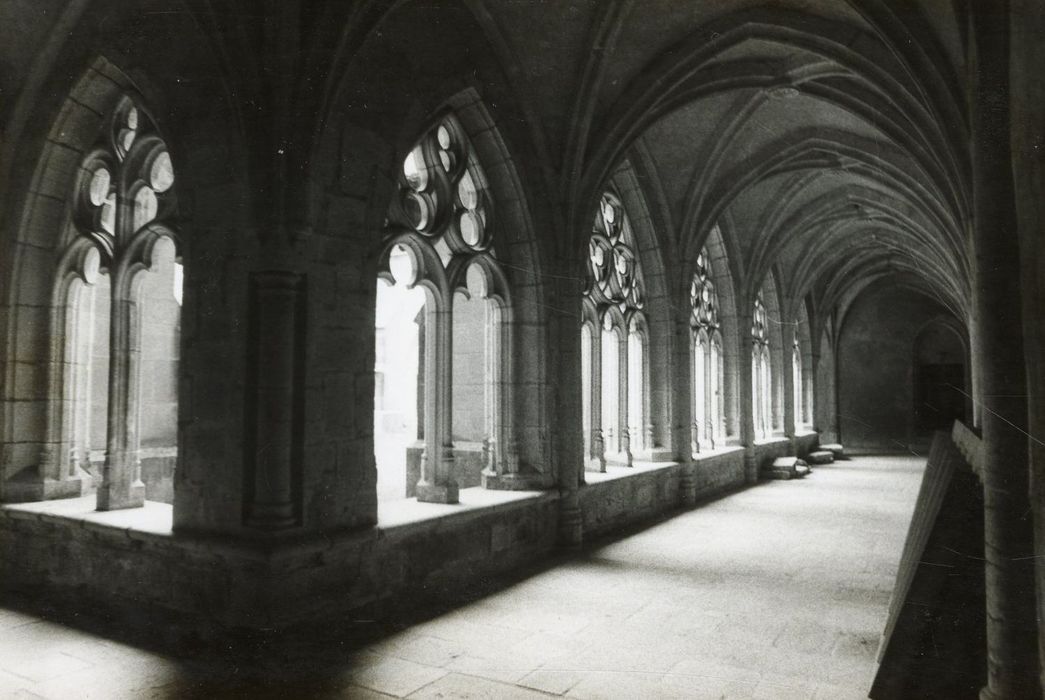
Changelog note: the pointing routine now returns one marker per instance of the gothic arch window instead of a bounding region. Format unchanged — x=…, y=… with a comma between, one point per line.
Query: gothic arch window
x=443, y=329
x=708, y=424
x=118, y=305
x=614, y=343
x=761, y=377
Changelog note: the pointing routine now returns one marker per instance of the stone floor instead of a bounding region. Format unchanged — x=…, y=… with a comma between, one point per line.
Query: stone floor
x=779, y=591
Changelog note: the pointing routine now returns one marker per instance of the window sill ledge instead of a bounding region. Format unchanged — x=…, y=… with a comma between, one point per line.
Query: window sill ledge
x=616, y=471
x=408, y=512
x=155, y=520
x=152, y=520
x=717, y=452
x=774, y=440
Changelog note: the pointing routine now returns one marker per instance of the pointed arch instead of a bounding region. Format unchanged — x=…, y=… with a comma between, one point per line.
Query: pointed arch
x=706, y=365
x=779, y=353
x=730, y=328
x=651, y=244
x=767, y=359
x=472, y=241
x=618, y=362
x=104, y=149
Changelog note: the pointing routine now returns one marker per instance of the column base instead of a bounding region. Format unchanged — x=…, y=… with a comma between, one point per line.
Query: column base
x=120, y=496
x=437, y=493
x=28, y=486
x=512, y=482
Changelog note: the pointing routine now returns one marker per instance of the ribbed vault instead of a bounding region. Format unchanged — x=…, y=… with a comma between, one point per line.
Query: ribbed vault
x=809, y=132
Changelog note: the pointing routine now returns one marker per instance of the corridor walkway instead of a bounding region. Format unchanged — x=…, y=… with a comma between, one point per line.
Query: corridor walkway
x=776, y=592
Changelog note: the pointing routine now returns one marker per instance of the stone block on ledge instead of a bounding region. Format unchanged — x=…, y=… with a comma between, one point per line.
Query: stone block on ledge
x=820, y=457
x=786, y=468
x=835, y=449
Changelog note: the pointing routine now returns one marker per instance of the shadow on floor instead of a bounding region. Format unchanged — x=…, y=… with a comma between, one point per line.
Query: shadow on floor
x=318, y=660
x=304, y=661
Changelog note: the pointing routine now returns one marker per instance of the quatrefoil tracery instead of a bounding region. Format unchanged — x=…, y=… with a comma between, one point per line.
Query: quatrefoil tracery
x=702, y=297
x=759, y=323
x=125, y=185
x=444, y=193
x=614, y=277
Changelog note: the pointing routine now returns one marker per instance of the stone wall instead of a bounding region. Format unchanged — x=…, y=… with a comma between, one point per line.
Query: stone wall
x=769, y=450
x=806, y=443
x=876, y=367
x=248, y=585
x=132, y=561
x=625, y=496
x=81, y=560
x=718, y=472
x=388, y=567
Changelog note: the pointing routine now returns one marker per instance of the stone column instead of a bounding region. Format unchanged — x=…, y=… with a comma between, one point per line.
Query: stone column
x=790, y=420
x=597, y=458
x=508, y=448
x=276, y=301
x=61, y=474
x=813, y=384
x=696, y=430
x=437, y=484
x=564, y=347
x=1027, y=101
x=122, y=485
x=834, y=426
x=501, y=471
x=808, y=392
x=1012, y=668
x=623, y=398
x=649, y=428
x=683, y=397
x=747, y=399
x=975, y=387
x=711, y=385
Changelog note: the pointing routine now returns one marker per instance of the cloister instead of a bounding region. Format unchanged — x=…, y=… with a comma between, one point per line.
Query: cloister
x=319, y=310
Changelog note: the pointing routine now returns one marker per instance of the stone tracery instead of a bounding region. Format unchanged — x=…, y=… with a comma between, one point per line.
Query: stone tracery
x=761, y=372
x=121, y=229
x=873, y=181
x=614, y=341
x=441, y=221
x=708, y=419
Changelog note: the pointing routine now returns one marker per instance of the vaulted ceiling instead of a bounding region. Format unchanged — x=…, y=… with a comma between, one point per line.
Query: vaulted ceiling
x=827, y=138
x=823, y=148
